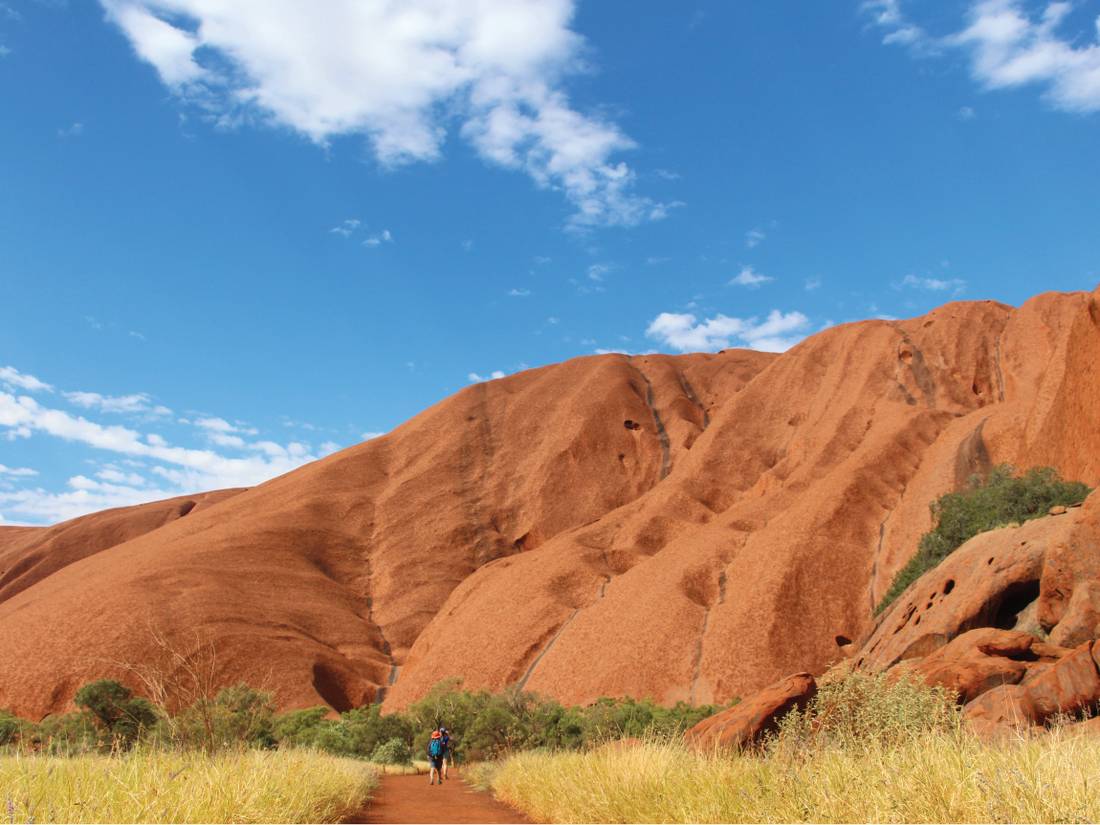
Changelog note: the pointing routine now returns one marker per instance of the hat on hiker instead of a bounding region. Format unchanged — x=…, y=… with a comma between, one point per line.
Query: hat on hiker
x=436, y=735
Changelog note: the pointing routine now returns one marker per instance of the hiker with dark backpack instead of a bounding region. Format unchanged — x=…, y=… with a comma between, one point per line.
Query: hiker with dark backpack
x=448, y=754
x=436, y=752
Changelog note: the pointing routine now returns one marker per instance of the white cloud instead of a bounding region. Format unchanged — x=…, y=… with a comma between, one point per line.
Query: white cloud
x=474, y=378
x=755, y=237
x=966, y=113
x=1009, y=47
x=346, y=227
x=11, y=377
x=17, y=472
x=136, y=403
x=955, y=285
x=684, y=332
x=367, y=436
x=398, y=74
x=810, y=284
x=596, y=272
x=385, y=236
x=750, y=278
x=71, y=131
x=220, y=425
x=187, y=469
x=519, y=293
x=4, y=52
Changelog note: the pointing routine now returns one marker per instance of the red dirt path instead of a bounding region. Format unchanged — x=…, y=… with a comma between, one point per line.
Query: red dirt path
x=412, y=799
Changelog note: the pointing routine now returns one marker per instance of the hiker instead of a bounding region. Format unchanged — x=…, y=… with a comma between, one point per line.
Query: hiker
x=436, y=752
x=448, y=754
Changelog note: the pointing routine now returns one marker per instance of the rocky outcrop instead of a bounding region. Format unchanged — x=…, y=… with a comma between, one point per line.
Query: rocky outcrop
x=739, y=528
x=748, y=722
x=994, y=623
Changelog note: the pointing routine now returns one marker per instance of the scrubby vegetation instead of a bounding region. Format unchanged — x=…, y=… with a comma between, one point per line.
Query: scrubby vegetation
x=997, y=500
x=866, y=750
x=483, y=725
x=156, y=785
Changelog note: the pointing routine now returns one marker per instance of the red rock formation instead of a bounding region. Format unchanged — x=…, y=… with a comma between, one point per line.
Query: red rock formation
x=748, y=722
x=740, y=528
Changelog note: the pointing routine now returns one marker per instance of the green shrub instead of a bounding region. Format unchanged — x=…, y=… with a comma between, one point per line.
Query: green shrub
x=122, y=717
x=68, y=734
x=393, y=752
x=12, y=728
x=238, y=716
x=1000, y=499
x=364, y=729
x=301, y=728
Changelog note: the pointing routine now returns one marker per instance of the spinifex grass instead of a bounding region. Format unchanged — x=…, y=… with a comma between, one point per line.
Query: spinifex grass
x=168, y=786
x=933, y=777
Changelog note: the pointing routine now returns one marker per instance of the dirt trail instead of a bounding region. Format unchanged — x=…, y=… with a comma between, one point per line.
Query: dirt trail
x=412, y=799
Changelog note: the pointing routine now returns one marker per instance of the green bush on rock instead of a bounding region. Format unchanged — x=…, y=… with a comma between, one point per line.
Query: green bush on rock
x=1000, y=499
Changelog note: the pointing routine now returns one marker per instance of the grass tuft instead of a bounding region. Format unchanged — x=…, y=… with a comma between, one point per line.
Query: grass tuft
x=147, y=785
x=934, y=776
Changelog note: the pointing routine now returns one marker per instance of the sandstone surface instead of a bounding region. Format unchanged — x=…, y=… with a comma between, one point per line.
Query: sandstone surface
x=685, y=528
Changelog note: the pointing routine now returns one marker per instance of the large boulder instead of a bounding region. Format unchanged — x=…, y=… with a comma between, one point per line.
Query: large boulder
x=1000, y=713
x=977, y=661
x=1069, y=592
x=1069, y=686
x=749, y=721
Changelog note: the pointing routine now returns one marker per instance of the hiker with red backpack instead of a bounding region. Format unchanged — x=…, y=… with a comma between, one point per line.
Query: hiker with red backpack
x=436, y=753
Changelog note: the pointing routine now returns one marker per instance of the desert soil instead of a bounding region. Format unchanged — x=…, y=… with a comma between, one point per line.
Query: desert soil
x=411, y=799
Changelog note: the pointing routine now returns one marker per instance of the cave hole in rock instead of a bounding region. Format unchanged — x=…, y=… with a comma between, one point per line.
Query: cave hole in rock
x=949, y=586
x=990, y=560
x=1013, y=601
x=842, y=640
x=186, y=508
x=630, y=424
x=330, y=687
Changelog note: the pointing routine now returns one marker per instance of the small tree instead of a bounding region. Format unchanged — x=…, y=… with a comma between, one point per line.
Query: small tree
x=393, y=752
x=121, y=716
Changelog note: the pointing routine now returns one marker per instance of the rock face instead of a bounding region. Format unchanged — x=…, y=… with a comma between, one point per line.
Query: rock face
x=725, y=519
x=746, y=723
x=975, y=624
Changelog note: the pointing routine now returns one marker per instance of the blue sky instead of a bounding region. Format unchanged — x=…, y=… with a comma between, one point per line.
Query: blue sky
x=237, y=236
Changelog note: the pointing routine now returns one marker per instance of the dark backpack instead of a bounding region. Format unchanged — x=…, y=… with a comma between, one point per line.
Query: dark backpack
x=435, y=747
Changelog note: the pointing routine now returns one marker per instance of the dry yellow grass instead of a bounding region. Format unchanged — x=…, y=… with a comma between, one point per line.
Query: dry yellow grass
x=165, y=786
x=934, y=777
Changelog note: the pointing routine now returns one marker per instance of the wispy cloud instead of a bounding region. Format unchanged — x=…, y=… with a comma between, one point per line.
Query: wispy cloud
x=596, y=272
x=519, y=293
x=184, y=469
x=811, y=284
x=1011, y=46
x=955, y=285
x=686, y=333
x=749, y=277
x=379, y=238
x=398, y=75
x=13, y=378
x=346, y=227
x=136, y=403
x=17, y=472
x=755, y=237
x=475, y=378
x=73, y=130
